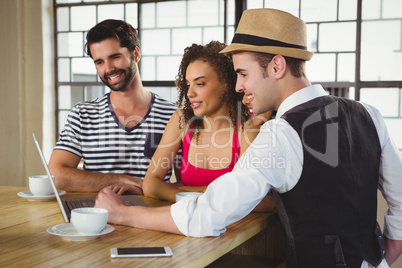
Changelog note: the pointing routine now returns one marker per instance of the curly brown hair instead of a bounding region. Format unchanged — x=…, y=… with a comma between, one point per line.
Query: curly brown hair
x=223, y=66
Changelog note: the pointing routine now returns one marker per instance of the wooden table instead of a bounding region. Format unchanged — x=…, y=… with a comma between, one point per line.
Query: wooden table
x=24, y=241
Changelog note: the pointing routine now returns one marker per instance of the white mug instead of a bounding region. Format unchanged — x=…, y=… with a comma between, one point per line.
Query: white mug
x=182, y=194
x=40, y=185
x=88, y=221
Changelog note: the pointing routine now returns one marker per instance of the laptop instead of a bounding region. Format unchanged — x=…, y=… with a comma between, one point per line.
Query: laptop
x=68, y=204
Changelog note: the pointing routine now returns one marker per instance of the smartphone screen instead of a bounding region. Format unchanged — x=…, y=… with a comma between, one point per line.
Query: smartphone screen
x=141, y=252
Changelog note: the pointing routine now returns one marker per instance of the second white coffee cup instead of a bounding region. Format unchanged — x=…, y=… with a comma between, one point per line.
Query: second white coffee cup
x=40, y=185
x=89, y=221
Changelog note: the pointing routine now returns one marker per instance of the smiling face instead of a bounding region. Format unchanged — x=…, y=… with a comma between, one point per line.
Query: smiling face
x=204, y=89
x=246, y=102
x=116, y=66
x=260, y=89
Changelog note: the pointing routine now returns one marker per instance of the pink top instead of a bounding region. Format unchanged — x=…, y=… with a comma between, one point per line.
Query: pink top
x=195, y=176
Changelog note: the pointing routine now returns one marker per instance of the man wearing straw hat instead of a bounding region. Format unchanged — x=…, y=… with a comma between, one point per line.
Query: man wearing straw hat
x=323, y=156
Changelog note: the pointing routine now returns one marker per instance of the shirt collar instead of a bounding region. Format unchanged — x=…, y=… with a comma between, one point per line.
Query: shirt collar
x=301, y=96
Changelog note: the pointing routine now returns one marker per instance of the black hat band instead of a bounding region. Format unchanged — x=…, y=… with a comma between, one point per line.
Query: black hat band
x=261, y=41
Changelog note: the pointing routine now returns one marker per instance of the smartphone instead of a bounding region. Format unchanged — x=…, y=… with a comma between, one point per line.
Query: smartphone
x=140, y=252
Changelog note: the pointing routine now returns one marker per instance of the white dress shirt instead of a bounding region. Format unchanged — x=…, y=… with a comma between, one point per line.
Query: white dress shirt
x=275, y=160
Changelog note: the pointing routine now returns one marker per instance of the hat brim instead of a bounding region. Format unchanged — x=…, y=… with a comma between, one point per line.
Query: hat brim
x=284, y=51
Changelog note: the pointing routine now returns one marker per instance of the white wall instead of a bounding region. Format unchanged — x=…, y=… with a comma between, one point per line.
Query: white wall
x=21, y=76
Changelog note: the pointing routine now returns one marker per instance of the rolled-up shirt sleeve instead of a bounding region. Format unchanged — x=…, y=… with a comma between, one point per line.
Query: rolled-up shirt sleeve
x=272, y=160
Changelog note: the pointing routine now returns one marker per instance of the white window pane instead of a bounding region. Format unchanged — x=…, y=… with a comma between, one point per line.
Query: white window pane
x=230, y=34
x=203, y=13
x=148, y=15
x=168, y=93
x=337, y=36
x=291, y=6
x=321, y=68
x=231, y=12
x=70, y=44
x=93, y=92
x=63, y=19
x=371, y=9
x=251, y=4
x=352, y=91
x=318, y=10
x=62, y=119
x=222, y=10
x=167, y=67
x=392, y=9
x=386, y=100
x=63, y=70
x=171, y=14
x=347, y=9
x=132, y=15
x=77, y=13
x=67, y=1
x=213, y=33
x=110, y=12
x=346, y=67
x=311, y=37
x=77, y=94
x=83, y=69
x=148, y=68
x=381, y=57
x=64, y=96
x=150, y=44
x=182, y=38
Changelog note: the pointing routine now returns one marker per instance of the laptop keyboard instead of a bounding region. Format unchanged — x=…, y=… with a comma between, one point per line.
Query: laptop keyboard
x=80, y=203
x=86, y=202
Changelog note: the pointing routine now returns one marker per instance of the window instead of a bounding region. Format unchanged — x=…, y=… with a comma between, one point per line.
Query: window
x=166, y=28
x=358, y=50
x=357, y=45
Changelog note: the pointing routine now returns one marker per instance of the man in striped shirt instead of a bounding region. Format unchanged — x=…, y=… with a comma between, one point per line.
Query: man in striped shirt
x=115, y=135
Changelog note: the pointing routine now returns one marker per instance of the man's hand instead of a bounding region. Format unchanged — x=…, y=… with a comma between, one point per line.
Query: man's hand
x=152, y=218
x=111, y=201
x=125, y=188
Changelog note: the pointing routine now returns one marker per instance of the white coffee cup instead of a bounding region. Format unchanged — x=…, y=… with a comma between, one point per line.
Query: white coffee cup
x=182, y=194
x=88, y=221
x=40, y=185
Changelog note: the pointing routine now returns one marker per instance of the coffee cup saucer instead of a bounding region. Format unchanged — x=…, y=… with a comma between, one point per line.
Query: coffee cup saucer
x=29, y=196
x=68, y=232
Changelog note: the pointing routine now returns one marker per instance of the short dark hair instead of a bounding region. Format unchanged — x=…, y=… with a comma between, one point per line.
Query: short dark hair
x=296, y=66
x=121, y=30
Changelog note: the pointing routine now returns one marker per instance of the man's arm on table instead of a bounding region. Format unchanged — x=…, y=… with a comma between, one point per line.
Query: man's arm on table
x=152, y=218
x=63, y=165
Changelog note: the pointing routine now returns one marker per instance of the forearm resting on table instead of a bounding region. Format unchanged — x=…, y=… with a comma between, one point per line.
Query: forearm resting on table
x=76, y=180
x=152, y=218
x=158, y=189
x=63, y=166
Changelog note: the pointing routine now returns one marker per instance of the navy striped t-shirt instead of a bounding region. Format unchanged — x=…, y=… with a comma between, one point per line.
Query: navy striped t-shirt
x=93, y=133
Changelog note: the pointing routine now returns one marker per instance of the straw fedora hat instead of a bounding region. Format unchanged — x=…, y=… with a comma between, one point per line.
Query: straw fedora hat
x=271, y=31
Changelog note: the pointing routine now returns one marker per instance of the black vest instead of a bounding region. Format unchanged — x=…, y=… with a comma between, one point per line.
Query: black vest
x=331, y=212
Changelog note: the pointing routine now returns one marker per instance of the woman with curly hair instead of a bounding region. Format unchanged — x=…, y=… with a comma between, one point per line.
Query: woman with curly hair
x=210, y=126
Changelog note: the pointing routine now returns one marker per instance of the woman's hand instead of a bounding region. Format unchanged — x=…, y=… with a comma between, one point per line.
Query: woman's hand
x=125, y=188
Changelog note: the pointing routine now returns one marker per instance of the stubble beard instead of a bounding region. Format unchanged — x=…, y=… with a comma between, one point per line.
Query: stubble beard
x=128, y=73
